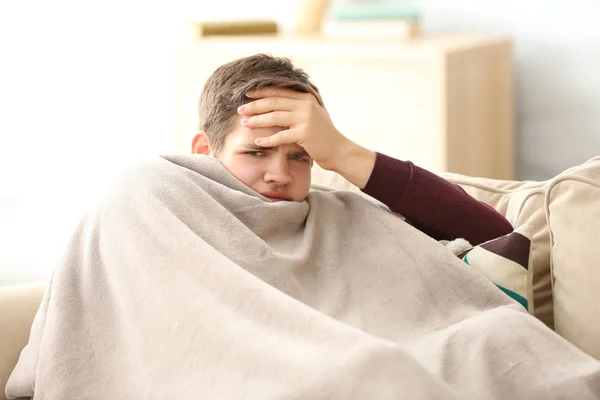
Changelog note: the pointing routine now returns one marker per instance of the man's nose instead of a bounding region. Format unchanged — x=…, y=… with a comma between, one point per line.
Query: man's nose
x=278, y=170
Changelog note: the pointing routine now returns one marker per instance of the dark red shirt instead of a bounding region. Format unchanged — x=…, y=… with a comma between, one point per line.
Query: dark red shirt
x=433, y=205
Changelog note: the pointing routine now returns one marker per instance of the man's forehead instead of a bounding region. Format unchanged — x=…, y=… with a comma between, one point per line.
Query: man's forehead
x=244, y=137
x=244, y=133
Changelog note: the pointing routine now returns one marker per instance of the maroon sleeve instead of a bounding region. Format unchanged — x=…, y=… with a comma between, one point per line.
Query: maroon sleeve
x=433, y=205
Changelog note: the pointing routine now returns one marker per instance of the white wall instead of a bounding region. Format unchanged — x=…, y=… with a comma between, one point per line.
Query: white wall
x=86, y=85
x=557, y=49
x=83, y=87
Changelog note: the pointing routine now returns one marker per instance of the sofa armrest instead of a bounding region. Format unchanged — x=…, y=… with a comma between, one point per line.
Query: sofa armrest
x=18, y=305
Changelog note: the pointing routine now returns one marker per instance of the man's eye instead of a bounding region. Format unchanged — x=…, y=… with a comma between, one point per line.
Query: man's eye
x=255, y=153
x=300, y=158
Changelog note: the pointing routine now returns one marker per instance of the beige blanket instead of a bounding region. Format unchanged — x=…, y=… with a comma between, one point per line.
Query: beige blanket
x=182, y=283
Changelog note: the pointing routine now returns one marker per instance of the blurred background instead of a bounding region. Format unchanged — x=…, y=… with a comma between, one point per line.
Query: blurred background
x=87, y=86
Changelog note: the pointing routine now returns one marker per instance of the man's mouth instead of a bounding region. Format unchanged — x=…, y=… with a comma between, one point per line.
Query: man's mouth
x=274, y=196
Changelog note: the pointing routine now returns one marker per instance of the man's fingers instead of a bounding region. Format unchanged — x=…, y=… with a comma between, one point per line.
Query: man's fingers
x=268, y=104
x=270, y=119
x=280, y=138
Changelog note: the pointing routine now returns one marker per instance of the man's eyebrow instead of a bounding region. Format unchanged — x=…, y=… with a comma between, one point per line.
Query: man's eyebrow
x=252, y=146
x=255, y=147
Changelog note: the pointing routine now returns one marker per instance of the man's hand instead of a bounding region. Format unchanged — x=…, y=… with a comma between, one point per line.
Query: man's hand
x=309, y=125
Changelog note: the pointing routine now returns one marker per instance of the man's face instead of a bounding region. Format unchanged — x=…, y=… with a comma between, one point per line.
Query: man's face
x=279, y=173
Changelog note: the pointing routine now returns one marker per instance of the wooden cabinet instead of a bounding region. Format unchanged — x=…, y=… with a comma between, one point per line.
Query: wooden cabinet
x=444, y=103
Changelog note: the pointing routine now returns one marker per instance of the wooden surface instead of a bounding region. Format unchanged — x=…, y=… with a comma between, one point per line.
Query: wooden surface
x=445, y=103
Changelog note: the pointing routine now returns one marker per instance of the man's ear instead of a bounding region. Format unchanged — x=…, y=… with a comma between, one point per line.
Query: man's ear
x=200, y=143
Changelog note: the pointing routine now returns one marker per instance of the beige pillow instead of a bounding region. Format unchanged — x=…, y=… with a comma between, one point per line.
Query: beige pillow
x=573, y=213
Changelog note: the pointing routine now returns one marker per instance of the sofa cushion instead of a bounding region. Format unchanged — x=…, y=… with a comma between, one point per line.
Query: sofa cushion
x=18, y=305
x=573, y=212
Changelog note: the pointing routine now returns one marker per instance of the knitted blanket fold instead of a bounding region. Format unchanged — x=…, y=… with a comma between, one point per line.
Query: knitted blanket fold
x=184, y=283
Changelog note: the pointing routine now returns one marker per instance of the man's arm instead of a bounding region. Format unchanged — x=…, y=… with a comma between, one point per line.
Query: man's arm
x=433, y=205
x=430, y=203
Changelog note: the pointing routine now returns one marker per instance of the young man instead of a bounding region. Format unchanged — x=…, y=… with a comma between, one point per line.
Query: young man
x=183, y=281
x=266, y=123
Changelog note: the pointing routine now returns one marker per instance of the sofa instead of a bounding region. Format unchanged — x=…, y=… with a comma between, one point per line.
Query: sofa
x=565, y=215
